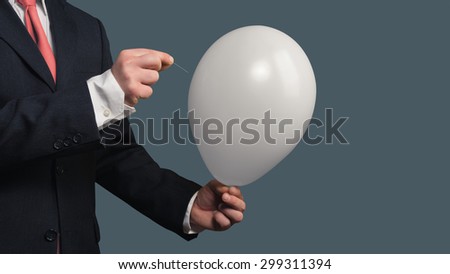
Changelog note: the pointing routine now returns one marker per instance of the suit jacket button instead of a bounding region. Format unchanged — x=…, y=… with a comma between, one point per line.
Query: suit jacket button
x=77, y=138
x=58, y=144
x=50, y=235
x=59, y=170
x=67, y=142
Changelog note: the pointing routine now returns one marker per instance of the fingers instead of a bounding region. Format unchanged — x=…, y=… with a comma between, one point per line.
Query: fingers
x=228, y=203
x=167, y=62
x=131, y=100
x=148, y=61
x=164, y=59
x=233, y=202
x=226, y=216
x=233, y=215
x=231, y=196
x=137, y=69
x=147, y=76
x=144, y=92
x=221, y=221
x=235, y=191
x=232, y=209
x=220, y=188
x=217, y=187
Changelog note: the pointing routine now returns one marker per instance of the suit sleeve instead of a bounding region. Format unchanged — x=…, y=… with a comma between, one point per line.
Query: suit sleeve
x=125, y=169
x=46, y=125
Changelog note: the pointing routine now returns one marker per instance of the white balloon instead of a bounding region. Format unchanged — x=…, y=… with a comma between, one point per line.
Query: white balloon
x=243, y=75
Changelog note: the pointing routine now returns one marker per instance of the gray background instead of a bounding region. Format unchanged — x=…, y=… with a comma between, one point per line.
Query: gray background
x=385, y=64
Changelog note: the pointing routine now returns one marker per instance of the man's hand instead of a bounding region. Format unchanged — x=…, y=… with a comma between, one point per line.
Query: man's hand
x=217, y=207
x=137, y=69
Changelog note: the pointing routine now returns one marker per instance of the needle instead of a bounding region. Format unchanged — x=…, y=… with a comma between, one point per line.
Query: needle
x=181, y=68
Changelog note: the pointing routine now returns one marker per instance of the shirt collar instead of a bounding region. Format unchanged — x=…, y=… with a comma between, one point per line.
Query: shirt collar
x=14, y=2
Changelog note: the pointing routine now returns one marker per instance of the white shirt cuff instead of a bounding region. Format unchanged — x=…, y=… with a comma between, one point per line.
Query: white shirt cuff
x=187, y=217
x=108, y=100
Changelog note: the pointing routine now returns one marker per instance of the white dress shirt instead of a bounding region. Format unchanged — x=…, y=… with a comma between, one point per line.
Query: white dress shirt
x=108, y=98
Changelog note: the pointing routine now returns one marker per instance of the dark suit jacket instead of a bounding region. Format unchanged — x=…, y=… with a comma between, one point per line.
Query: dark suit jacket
x=51, y=152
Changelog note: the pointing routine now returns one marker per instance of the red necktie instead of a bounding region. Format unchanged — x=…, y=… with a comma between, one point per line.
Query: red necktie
x=34, y=27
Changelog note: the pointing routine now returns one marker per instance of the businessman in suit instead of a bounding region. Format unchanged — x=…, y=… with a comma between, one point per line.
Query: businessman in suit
x=63, y=127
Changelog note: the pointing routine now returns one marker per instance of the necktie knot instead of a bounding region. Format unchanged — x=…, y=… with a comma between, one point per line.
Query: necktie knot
x=27, y=3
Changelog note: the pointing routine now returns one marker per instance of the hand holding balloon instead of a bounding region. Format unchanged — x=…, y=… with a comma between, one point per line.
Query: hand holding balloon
x=217, y=207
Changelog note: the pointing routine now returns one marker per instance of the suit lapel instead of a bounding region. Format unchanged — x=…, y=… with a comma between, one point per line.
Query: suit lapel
x=13, y=31
x=64, y=34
